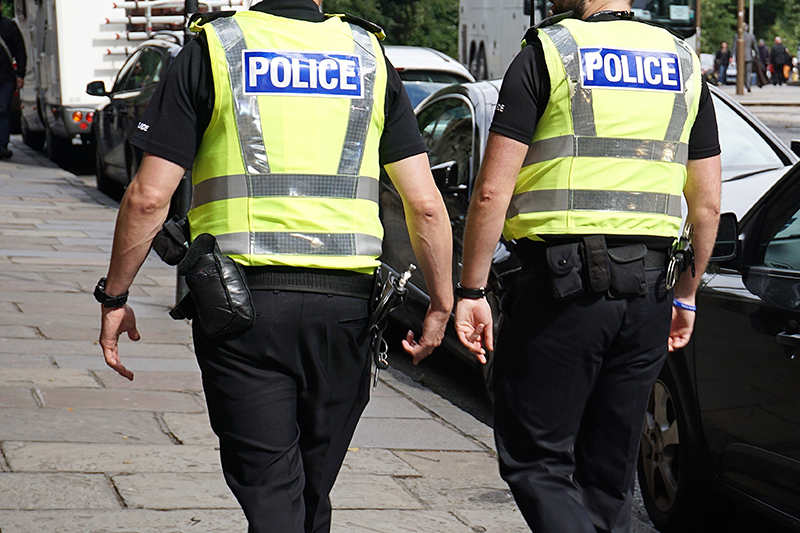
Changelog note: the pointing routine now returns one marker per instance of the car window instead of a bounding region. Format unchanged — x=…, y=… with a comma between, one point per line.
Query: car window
x=743, y=148
x=122, y=76
x=447, y=129
x=783, y=249
x=436, y=76
x=145, y=70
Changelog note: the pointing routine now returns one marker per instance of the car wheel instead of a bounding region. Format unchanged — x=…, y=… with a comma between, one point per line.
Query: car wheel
x=34, y=139
x=664, y=475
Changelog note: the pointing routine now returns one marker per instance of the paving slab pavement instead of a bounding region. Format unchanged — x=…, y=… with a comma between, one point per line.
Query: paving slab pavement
x=84, y=450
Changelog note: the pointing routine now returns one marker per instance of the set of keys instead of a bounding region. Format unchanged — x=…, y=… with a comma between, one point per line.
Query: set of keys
x=681, y=256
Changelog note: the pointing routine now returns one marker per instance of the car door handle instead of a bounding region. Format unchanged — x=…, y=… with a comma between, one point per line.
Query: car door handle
x=789, y=339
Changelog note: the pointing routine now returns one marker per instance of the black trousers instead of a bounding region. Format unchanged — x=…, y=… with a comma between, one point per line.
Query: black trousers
x=572, y=379
x=284, y=399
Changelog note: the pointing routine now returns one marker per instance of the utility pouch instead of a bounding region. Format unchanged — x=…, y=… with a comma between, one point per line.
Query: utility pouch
x=172, y=241
x=218, y=288
x=597, y=264
x=564, y=262
x=627, y=271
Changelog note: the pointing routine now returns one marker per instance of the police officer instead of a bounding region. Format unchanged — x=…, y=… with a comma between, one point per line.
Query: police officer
x=285, y=116
x=601, y=123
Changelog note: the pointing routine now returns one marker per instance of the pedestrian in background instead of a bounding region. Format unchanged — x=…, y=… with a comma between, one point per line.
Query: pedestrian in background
x=779, y=59
x=762, y=57
x=749, y=55
x=722, y=59
x=13, y=61
x=579, y=172
x=285, y=183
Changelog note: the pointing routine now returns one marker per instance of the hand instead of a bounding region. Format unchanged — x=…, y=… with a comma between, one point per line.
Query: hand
x=681, y=329
x=432, y=334
x=474, y=326
x=20, y=82
x=115, y=322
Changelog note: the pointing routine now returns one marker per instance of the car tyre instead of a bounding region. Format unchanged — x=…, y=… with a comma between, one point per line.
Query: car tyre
x=663, y=467
x=34, y=139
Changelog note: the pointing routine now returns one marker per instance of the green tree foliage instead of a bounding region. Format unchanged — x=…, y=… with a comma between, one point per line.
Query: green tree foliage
x=8, y=9
x=718, y=23
x=432, y=23
x=772, y=18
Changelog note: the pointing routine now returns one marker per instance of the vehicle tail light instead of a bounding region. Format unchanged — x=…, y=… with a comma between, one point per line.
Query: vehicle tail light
x=77, y=116
x=83, y=126
x=90, y=117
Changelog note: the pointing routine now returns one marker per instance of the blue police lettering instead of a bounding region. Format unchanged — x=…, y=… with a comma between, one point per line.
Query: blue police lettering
x=302, y=73
x=631, y=69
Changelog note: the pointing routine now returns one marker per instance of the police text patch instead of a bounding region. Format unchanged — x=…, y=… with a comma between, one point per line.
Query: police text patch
x=302, y=74
x=631, y=69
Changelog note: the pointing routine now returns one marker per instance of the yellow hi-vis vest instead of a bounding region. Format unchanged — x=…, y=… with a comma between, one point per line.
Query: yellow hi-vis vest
x=287, y=171
x=610, y=151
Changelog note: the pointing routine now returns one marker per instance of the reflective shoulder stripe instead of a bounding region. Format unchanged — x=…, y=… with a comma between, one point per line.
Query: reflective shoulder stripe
x=570, y=145
x=289, y=185
x=583, y=122
x=248, y=119
x=299, y=244
x=594, y=200
x=680, y=110
x=360, y=109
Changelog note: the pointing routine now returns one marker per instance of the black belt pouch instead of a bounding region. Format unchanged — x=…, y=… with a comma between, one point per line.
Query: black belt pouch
x=218, y=286
x=627, y=271
x=564, y=262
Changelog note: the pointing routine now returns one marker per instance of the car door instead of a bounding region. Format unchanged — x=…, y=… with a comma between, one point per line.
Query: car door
x=747, y=355
x=111, y=136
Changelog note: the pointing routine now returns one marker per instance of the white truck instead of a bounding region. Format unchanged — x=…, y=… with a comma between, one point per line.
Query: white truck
x=490, y=32
x=73, y=42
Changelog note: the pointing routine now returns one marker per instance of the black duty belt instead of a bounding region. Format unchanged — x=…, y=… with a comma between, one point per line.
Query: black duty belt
x=535, y=258
x=339, y=282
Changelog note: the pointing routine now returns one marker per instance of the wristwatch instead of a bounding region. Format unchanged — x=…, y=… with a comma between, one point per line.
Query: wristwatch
x=108, y=301
x=471, y=294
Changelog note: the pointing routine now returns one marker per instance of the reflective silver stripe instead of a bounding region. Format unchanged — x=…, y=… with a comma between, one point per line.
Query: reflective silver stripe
x=346, y=244
x=583, y=122
x=248, y=118
x=569, y=145
x=360, y=109
x=594, y=200
x=293, y=185
x=680, y=109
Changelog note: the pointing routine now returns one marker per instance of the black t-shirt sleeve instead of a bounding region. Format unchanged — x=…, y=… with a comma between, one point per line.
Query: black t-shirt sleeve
x=524, y=94
x=401, y=137
x=173, y=124
x=704, y=137
x=180, y=110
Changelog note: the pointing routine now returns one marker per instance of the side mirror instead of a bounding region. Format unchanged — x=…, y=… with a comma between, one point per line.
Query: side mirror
x=445, y=175
x=96, y=88
x=727, y=238
x=795, y=146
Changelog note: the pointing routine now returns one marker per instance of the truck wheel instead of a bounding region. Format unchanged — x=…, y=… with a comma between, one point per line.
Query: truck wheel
x=34, y=139
x=55, y=148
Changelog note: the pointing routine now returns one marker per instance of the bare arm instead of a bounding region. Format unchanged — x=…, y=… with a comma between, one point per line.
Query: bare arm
x=432, y=241
x=141, y=214
x=702, y=191
x=490, y=199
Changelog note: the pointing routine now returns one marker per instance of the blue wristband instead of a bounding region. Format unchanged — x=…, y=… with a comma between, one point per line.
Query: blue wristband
x=681, y=305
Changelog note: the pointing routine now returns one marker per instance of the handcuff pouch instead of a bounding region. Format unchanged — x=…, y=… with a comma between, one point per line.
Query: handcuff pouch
x=565, y=265
x=627, y=267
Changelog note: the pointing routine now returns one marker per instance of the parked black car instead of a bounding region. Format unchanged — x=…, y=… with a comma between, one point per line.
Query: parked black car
x=724, y=415
x=115, y=120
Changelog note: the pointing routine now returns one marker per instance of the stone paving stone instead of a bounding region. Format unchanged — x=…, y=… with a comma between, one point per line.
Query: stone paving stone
x=24, y=360
x=395, y=521
x=91, y=331
x=85, y=425
x=135, y=364
x=191, y=429
x=393, y=407
x=493, y=521
x=18, y=332
x=109, y=458
x=125, y=521
x=376, y=462
x=409, y=434
x=128, y=400
x=55, y=491
x=452, y=465
x=16, y=397
x=353, y=491
x=174, y=491
x=448, y=494
x=159, y=381
x=47, y=377
x=90, y=347
x=8, y=308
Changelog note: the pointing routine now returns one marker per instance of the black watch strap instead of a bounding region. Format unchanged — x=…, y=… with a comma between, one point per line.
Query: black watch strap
x=471, y=294
x=108, y=301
